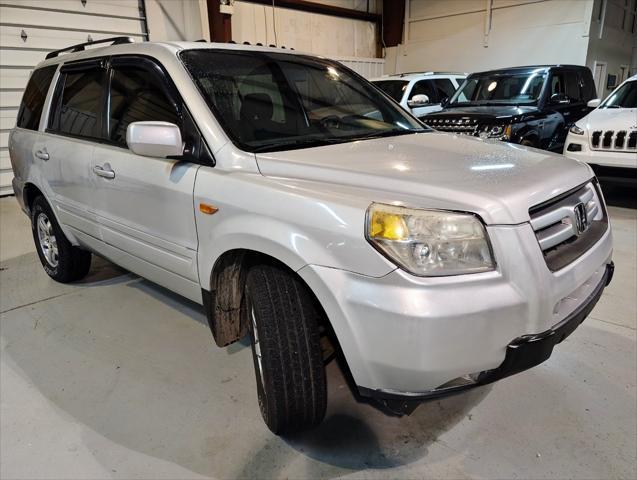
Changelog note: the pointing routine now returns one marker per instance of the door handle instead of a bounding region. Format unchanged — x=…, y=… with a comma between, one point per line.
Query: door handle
x=42, y=155
x=100, y=171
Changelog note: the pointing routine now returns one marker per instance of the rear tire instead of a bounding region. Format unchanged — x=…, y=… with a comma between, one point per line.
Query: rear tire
x=61, y=261
x=283, y=324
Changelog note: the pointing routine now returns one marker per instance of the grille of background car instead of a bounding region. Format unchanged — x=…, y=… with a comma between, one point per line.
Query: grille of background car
x=611, y=140
x=466, y=126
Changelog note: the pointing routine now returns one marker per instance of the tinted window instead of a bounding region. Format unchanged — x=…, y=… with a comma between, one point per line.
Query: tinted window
x=137, y=95
x=587, y=86
x=80, y=105
x=394, y=88
x=275, y=101
x=34, y=96
x=424, y=87
x=567, y=83
x=444, y=87
x=512, y=88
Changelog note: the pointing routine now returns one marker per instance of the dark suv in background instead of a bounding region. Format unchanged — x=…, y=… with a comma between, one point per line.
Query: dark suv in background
x=533, y=106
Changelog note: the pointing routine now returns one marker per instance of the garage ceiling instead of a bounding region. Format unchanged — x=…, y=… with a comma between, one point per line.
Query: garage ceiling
x=31, y=28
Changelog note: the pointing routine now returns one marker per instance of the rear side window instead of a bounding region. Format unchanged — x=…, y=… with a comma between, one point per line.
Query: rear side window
x=80, y=104
x=137, y=95
x=34, y=96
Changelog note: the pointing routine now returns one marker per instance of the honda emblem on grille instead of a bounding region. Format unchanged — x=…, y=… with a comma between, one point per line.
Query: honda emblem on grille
x=581, y=218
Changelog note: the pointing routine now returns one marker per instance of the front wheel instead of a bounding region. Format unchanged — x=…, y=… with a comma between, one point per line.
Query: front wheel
x=61, y=260
x=283, y=324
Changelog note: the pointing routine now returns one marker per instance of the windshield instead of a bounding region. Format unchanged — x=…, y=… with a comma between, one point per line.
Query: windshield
x=517, y=88
x=394, y=88
x=275, y=101
x=624, y=97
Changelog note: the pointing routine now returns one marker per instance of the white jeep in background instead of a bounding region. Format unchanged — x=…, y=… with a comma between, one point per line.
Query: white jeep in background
x=300, y=206
x=420, y=93
x=607, y=136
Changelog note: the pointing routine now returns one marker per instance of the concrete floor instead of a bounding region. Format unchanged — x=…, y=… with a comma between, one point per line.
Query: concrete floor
x=116, y=377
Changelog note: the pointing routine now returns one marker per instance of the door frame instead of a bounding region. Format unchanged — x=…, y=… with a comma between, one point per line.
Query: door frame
x=601, y=87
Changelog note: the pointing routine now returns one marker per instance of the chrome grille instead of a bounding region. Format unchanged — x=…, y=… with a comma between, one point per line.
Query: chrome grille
x=620, y=140
x=466, y=126
x=568, y=225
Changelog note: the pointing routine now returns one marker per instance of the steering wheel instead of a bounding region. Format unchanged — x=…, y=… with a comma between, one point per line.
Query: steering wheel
x=331, y=121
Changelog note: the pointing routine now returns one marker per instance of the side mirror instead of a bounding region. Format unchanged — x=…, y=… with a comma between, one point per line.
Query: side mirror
x=594, y=103
x=444, y=102
x=419, y=100
x=560, y=98
x=154, y=139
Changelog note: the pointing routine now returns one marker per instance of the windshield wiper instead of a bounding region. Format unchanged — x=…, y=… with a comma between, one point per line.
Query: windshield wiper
x=317, y=142
x=387, y=133
x=306, y=142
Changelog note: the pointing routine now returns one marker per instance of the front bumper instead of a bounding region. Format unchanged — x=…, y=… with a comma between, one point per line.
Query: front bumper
x=408, y=337
x=605, y=158
x=522, y=353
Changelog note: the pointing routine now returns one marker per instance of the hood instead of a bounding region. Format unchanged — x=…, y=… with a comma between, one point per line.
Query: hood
x=488, y=113
x=610, y=119
x=496, y=180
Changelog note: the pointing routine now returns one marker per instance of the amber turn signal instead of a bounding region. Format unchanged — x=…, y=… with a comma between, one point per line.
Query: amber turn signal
x=208, y=209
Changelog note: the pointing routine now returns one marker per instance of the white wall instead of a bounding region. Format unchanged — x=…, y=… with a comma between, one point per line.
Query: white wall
x=455, y=35
x=307, y=32
x=177, y=19
x=611, y=39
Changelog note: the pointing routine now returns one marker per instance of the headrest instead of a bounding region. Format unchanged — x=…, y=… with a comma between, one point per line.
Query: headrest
x=256, y=107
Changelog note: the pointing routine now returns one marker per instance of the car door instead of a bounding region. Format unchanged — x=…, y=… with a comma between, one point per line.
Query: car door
x=25, y=144
x=423, y=87
x=73, y=129
x=144, y=204
x=565, y=99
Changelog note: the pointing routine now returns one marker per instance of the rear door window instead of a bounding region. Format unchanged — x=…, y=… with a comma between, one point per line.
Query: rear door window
x=79, y=106
x=34, y=96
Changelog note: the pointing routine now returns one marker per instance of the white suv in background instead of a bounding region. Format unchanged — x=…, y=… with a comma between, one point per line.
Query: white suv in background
x=420, y=93
x=607, y=137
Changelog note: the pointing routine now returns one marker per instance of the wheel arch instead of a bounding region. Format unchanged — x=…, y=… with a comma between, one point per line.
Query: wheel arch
x=30, y=192
x=224, y=302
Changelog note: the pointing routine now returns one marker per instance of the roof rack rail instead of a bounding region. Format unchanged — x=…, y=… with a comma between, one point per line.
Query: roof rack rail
x=81, y=46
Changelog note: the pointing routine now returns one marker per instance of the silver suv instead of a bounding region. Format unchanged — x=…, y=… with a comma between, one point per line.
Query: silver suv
x=300, y=206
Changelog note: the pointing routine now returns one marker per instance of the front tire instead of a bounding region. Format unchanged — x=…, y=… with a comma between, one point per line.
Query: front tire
x=283, y=324
x=61, y=261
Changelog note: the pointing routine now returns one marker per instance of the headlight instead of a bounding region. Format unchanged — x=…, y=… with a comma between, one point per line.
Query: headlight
x=576, y=130
x=497, y=131
x=429, y=242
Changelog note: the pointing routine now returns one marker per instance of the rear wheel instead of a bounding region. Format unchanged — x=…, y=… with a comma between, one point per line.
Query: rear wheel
x=61, y=260
x=288, y=363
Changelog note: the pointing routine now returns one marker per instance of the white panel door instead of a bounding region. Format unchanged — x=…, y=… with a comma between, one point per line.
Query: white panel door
x=29, y=29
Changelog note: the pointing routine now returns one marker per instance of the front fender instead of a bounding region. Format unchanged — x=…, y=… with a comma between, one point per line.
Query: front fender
x=297, y=226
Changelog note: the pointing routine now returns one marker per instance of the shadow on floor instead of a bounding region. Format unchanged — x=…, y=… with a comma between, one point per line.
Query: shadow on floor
x=149, y=382
x=619, y=195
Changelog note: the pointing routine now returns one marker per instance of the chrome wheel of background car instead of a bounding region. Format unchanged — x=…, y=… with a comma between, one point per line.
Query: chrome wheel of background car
x=48, y=242
x=257, y=346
